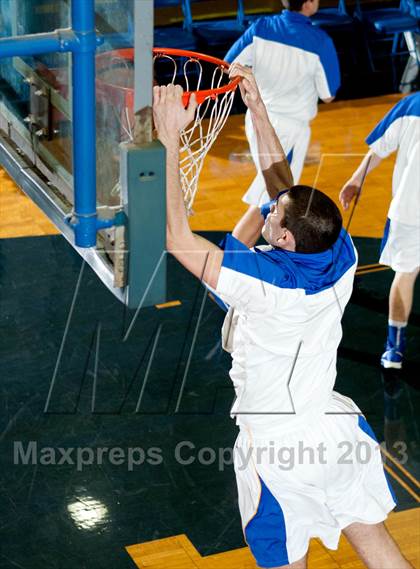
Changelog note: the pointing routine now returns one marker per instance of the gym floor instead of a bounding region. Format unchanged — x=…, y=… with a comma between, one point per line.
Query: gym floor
x=69, y=382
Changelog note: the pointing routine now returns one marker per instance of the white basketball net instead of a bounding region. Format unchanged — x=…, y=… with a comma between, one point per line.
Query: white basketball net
x=199, y=136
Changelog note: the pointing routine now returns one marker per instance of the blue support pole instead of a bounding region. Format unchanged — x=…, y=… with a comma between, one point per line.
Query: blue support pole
x=84, y=123
x=32, y=44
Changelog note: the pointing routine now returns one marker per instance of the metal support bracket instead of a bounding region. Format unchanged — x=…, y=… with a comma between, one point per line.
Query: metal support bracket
x=143, y=176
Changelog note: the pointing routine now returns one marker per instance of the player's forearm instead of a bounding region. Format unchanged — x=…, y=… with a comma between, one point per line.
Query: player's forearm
x=369, y=163
x=176, y=216
x=198, y=255
x=273, y=161
x=249, y=227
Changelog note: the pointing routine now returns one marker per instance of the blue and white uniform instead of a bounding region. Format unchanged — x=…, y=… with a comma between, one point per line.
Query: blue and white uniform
x=400, y=130
x=283, y=329
x=294, y=64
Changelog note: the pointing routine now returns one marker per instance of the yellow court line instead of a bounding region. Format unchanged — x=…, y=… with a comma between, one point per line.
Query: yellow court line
x=368, y=271
x=401, y=467
x=170, y=304
x=372, y=266
x=403, y=484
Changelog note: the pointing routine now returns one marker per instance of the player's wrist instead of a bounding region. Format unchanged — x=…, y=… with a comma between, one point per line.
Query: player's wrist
x=170, y=141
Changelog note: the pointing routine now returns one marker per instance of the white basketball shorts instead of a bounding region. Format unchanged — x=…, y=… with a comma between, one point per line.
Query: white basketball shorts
x=400, y=248
x=294, y=137
x=310, y=483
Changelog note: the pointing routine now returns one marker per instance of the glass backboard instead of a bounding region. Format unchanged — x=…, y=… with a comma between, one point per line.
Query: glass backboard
x=36, y=128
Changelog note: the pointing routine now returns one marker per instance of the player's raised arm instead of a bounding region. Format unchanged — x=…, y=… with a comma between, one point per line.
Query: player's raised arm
x=352, y=187
x=274, y=164
x=249, y=227
x=198, y=255
x=273, y=161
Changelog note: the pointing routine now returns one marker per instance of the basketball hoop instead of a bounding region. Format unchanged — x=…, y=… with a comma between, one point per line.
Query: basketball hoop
x=201, y=74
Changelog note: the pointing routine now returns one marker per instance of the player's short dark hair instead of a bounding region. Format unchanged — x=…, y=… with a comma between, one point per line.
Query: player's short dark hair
x=313, y=219
x=293, y=5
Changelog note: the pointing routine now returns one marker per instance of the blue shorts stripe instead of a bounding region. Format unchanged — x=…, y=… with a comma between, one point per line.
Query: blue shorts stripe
x=385, y=235
x=364, y=425
x=366, y=428
x=266, y=532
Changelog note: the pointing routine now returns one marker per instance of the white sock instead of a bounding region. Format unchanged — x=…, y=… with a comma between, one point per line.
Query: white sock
x=397, y=324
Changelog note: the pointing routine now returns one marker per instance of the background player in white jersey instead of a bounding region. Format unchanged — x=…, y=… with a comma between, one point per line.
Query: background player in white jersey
x=283, y=328
x=294, y=64
x=399, y=129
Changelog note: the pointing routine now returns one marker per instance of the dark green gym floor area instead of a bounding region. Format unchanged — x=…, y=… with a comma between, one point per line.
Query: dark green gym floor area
x=57, y=517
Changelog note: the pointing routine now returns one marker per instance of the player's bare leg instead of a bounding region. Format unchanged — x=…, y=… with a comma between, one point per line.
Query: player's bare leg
x=400, y=303
x=401, y=296
x=375, y=546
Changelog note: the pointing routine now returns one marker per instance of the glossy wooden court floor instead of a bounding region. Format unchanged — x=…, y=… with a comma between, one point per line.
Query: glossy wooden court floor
x=336, y=148
x=179, y=553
